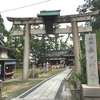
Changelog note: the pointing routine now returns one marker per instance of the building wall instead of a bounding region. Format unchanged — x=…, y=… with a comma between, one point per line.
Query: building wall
x=3, y=53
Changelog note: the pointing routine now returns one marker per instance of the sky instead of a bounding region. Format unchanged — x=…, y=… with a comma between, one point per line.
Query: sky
x=67, y=7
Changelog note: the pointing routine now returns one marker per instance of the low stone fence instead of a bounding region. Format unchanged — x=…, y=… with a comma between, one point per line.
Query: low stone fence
x=77, y=93
x=66, y=94
x=69, y=94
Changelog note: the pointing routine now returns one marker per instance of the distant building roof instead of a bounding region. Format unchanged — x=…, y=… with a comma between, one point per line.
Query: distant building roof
x=49, y=13
x=61, y=53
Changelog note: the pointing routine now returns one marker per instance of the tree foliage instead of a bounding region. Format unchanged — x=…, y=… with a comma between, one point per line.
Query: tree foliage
x=40, y=45
x=88, y=6
x=16, y=42
x=3, y=32
x=98, y=43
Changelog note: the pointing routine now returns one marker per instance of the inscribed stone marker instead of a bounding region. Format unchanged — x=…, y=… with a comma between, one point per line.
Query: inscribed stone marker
x=91, y=60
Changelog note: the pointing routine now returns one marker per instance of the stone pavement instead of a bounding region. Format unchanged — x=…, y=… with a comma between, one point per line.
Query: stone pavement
x=48, y=89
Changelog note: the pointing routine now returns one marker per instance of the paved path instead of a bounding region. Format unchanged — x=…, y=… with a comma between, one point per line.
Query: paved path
x=48, y=89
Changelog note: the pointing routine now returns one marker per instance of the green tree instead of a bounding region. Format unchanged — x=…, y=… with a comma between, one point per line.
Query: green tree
x=40, y=45
x=64, y=43
x=16, y=42
x=2, y=27
x=88, y=6
x=3, y=32
x=98, y=43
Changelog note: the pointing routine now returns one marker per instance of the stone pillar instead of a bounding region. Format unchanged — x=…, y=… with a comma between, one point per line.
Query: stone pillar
x=33, y=73
x=79, y=89
x=0, y=89
x=66, y=95
x=33, y=70
x=91, y=90
x=76, y=42
x=26, y=54
x=91, y=60
x=67, y=83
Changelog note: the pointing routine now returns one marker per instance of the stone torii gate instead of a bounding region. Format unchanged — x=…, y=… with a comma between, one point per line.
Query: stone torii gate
x=73, y=19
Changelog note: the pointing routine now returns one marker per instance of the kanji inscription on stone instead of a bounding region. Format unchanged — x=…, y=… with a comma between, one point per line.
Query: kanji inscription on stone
x=91, y=60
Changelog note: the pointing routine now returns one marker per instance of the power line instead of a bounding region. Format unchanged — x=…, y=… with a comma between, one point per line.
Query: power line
x=24, y=6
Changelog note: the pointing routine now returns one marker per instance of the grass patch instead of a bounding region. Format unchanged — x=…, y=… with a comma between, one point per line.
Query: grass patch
x=14, y=88
x=50, y=73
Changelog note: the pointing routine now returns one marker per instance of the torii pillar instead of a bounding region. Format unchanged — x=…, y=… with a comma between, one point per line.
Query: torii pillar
x=76, y=42
x=26, y=54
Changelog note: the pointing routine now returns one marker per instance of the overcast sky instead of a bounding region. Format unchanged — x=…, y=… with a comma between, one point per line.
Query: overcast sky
x=67, y=7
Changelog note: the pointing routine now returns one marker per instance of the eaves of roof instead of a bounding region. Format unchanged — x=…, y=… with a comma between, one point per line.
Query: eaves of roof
x=7, y=48
x=49, y=13
x=60, y=53
x=7, y=59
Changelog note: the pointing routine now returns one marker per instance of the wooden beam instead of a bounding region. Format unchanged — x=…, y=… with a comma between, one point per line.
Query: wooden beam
x=18, y=33
x=81, y=19
x=69, y=30
x=37, y=31
x=57, y=31
x=60, y=19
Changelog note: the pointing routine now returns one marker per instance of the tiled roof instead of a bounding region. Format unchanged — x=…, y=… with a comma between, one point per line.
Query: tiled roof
x=7, y=48
x=49, y=13
x=60, y=53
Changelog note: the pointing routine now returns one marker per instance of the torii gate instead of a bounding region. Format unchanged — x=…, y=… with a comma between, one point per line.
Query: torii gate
x=74, y=29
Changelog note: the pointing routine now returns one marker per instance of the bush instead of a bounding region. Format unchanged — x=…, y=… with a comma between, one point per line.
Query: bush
x=80, y=76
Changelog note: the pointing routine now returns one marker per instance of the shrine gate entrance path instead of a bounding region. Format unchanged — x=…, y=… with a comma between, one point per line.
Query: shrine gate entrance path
x=50, y=88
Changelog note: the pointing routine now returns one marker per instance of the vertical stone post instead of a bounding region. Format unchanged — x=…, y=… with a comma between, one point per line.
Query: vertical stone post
x=91, y=90
x=91, y=60
x=67, y=83
x=77, y=49
x=33, y=68
x=66, y=94
x=79, y=89
x=26, y=54
x=0, y=89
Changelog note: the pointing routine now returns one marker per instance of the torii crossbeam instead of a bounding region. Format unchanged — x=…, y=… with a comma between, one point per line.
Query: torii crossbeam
x=73, y=19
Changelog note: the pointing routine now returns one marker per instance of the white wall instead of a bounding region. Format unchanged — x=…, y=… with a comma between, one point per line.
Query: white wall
x=3, y=54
